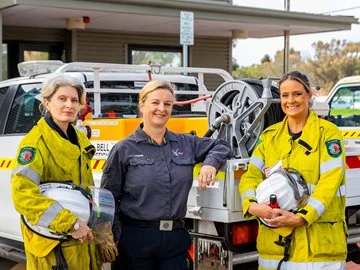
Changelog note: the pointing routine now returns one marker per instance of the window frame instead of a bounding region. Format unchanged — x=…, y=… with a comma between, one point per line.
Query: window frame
x=154, y=48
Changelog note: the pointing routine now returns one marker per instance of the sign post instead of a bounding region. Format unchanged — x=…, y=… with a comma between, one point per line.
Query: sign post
x=186, y=33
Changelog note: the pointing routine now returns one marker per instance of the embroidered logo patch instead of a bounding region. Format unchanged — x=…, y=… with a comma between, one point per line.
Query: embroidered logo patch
x=26, y=155
x=258, y=142
x=334, y=148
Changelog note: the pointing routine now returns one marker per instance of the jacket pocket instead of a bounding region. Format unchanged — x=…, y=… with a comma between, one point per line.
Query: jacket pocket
x=327, y=239
x=266, y=243
x=139, y=161
x=183, y=161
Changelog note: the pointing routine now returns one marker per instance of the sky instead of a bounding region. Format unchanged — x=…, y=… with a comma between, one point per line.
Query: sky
x=302, y=43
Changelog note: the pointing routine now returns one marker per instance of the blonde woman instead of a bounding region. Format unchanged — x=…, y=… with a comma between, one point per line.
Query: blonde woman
x=150, y=174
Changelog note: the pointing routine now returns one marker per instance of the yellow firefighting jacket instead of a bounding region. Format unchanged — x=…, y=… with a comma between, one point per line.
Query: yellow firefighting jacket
x=43, y=156
x=318, y=154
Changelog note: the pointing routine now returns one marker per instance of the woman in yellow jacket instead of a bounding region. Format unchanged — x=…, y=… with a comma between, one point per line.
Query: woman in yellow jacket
x=315, y=236
x=55, y=151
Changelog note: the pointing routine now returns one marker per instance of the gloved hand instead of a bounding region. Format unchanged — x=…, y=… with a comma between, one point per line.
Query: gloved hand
x=104, y=241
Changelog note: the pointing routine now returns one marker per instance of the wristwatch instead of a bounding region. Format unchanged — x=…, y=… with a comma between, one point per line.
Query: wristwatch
x=76, y=226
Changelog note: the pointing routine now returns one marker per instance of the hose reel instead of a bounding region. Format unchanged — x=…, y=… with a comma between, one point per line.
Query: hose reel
x=240, y=110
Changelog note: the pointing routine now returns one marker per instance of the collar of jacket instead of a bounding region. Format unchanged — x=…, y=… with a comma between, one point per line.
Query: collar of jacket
x=62, y=150
x=309, y=138
x=141, y=136
x=70, y=130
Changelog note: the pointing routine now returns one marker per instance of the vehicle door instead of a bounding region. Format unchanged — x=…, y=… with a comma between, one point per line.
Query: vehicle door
x=19, y=112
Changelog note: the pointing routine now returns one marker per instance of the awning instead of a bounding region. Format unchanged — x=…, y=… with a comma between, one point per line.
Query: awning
x=162, y=17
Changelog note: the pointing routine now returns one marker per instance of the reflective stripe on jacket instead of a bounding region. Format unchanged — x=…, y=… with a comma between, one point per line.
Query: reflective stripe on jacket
x=324, y=238
x=54, y=159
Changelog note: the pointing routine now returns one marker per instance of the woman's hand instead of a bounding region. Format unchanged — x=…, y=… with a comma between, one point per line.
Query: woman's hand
x=262, y=210
x=285, y=219
x=207, y=176
x=81, y=231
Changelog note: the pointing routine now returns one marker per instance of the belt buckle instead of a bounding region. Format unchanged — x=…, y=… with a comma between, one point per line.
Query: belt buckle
x=166, y=225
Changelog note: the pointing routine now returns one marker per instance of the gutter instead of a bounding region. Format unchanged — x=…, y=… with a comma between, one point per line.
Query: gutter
x=203, y=10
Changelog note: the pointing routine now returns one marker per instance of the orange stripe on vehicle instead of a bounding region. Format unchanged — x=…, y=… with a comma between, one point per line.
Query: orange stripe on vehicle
x=6, y=163
x=97, y=165
x=348, y=134
x=352, y=162
x=103, y=165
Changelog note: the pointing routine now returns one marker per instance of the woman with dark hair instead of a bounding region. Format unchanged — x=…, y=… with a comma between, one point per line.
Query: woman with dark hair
x=313, y=237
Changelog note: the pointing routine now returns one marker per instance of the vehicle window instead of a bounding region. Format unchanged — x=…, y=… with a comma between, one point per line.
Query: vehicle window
x=2, y=94
x=24, y=112
x=126, y=104
x=345, y=107
x=116, y=104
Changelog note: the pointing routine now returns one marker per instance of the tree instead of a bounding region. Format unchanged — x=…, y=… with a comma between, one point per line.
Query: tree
x=266, y=59
x=333, y=61
x=235, y=64
x=269, y=68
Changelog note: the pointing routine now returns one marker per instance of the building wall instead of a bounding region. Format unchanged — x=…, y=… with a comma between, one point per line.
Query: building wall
x=33, y=34
x=111, y=47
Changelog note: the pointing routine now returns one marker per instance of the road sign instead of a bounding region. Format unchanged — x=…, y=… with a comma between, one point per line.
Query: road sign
x=186, y=28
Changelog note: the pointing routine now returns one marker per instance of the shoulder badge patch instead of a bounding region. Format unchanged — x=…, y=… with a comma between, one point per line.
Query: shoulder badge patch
x=258, y=142
x=334, y=148
x=26, y=155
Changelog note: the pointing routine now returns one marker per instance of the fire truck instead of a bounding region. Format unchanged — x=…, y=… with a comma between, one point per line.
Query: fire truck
x=236, y=111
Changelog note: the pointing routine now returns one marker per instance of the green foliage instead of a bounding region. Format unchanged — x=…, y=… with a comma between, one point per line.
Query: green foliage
x=268, y=68
x=235, y=64
x=331, y=62
x=265, y=59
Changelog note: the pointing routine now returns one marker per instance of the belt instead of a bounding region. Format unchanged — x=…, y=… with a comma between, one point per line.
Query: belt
x=162, y=225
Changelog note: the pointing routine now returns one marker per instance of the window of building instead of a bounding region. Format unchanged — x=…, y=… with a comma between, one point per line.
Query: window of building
x=35, y=55
x=157, y=55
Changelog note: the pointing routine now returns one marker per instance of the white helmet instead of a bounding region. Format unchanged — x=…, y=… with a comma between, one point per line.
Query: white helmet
x=289, y=187
x=93, y=206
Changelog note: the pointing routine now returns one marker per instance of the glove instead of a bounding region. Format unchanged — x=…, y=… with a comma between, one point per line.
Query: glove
x=104, y=241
